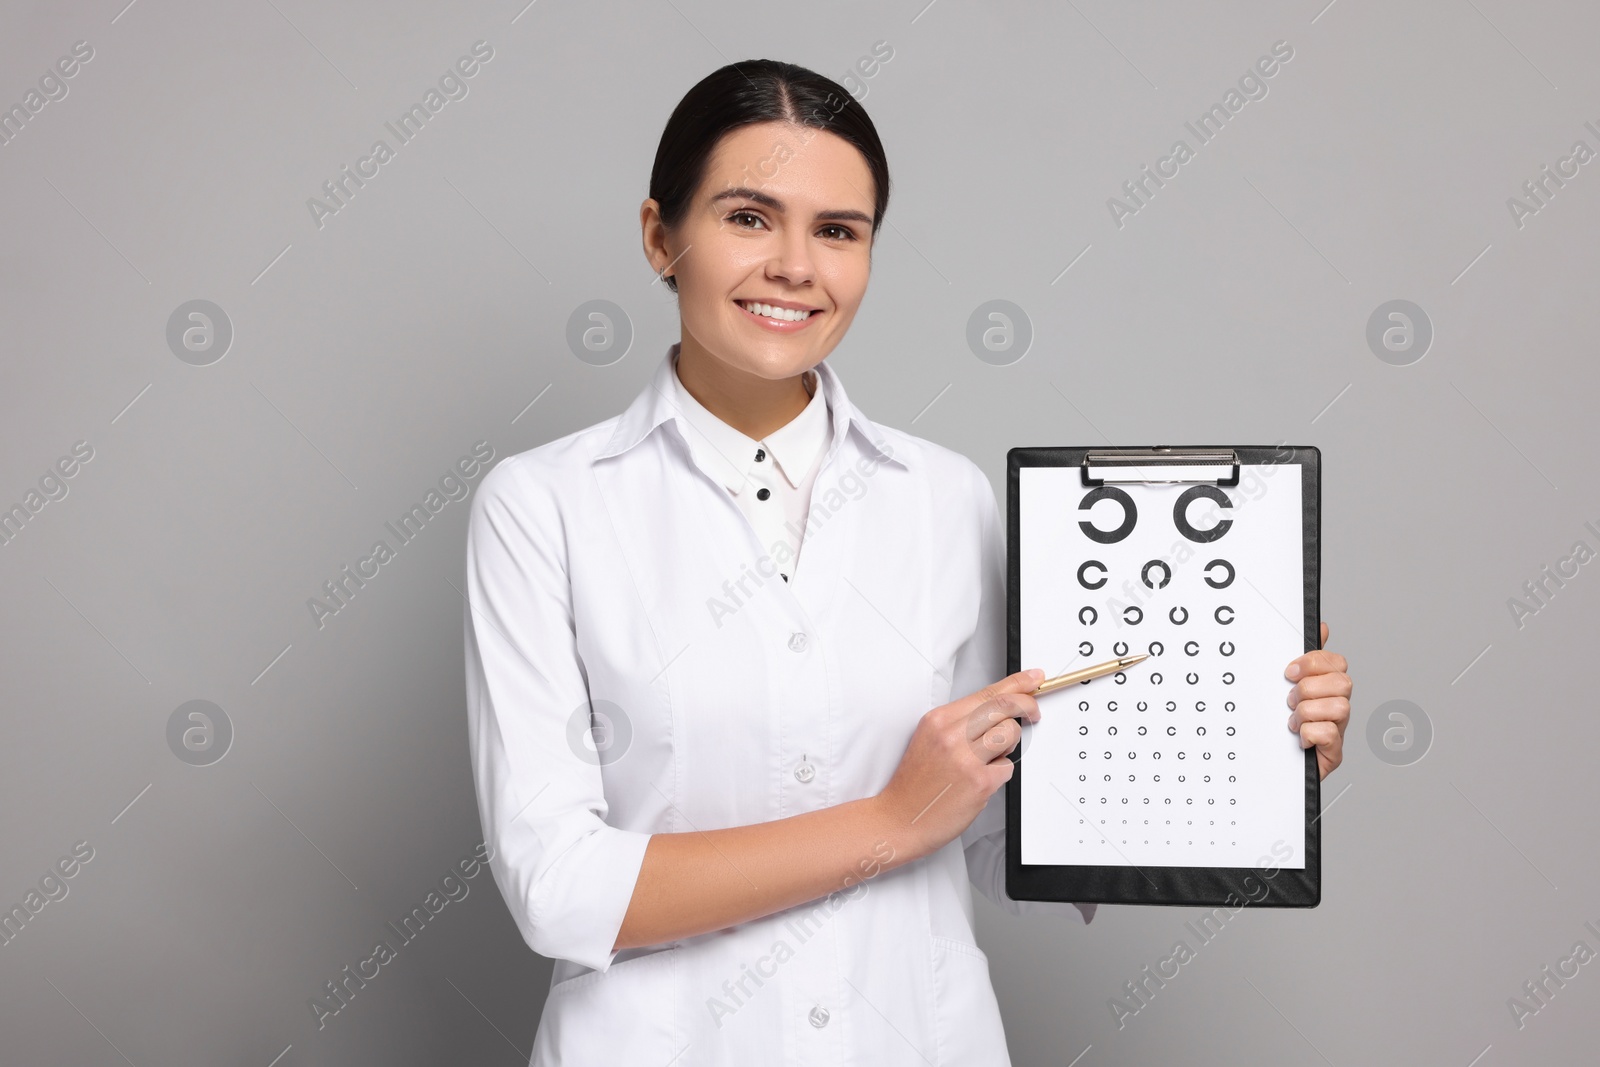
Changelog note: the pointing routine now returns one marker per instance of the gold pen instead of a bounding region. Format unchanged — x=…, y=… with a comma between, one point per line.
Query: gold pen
x=1083, y=674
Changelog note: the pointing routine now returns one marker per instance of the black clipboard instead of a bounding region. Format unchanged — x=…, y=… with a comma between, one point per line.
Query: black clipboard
x=1169, y=885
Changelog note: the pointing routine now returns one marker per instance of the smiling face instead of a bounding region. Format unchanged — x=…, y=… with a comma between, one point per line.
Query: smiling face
x=782, y=218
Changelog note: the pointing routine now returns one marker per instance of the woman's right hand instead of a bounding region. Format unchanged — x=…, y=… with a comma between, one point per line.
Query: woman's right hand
x=957, y=757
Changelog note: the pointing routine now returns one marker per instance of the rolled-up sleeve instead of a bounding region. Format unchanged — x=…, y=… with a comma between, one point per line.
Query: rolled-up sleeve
x=566, y=875
x=980, y=661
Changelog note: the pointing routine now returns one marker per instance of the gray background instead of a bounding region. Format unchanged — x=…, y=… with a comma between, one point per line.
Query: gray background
x=371, y=353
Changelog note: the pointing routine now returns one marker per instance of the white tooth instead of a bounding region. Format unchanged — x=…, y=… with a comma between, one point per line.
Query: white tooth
x=782, y=314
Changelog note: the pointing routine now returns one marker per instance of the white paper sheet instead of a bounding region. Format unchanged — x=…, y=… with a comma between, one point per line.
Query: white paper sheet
x=1109, y=784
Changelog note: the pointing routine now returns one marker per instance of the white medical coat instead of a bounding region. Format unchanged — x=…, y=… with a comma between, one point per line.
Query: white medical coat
x=634, y=665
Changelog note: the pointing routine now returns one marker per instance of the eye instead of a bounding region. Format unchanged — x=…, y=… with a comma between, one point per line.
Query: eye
x=745, y=214
x=844, y=231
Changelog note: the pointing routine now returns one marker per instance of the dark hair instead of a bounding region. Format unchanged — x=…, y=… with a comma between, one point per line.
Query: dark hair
x=743, y=94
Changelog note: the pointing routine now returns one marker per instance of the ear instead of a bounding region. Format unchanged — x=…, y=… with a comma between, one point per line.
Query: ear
x=650, y=231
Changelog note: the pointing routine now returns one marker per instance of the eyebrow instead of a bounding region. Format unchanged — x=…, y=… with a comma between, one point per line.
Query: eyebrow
x=767, y=200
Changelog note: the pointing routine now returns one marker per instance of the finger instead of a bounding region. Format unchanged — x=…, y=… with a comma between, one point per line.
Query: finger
x=1000, y=739
x=1324, y=641
x=1327, y=709
x=1318, y=662
x=1005, y=707
x=1002, y=771
x=1021, y=682
x=1319, y=685
x=1324, y=735
x=1330, y=750
x=1329, y=758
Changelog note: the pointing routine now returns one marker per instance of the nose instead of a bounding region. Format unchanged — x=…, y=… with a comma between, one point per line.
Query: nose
x=791, y=260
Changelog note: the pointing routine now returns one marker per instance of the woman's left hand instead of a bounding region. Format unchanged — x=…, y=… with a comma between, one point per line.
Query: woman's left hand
x=1320, y=699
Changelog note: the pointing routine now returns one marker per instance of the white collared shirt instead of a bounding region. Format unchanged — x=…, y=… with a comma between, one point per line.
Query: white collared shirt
x=634, y=666
x=774, y=500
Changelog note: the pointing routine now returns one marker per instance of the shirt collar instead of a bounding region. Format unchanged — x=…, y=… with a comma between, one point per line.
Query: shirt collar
x=731, y=453
x=659, y=402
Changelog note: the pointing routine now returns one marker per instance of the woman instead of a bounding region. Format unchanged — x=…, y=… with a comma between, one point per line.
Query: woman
x=763, y=851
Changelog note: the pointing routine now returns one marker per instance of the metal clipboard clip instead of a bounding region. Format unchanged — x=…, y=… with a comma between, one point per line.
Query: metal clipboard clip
x=1136, y=460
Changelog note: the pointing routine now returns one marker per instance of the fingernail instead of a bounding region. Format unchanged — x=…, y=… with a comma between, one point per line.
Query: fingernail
x=1036, y=674
x=1293, y=672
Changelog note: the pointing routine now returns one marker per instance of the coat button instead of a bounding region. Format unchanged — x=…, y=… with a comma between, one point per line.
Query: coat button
x=763, y=493
x=797, y=642
x=805, y=771
x=819, y=1016
x=761, y=454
